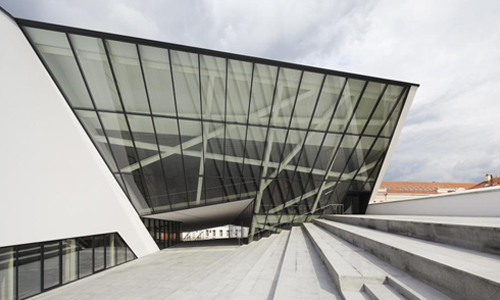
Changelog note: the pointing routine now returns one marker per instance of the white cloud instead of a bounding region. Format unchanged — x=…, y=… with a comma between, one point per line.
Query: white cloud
x=449, y=47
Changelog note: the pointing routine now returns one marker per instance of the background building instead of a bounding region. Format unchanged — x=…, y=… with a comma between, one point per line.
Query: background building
x=404, y=190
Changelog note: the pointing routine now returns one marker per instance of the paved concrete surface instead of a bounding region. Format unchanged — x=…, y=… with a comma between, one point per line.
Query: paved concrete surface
x=212, y=270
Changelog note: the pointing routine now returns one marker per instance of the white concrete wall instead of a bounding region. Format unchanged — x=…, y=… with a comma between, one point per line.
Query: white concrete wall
x=476, y=203
x=53, y=182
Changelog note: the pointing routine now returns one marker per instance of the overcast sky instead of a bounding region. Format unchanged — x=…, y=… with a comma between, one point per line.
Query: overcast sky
x=451, y=48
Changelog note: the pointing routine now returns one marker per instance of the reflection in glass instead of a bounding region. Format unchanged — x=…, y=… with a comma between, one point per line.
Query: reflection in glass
x=7, y=273
x=85, y=256
x=29, y=270
x=70, y=260
x=51, y=265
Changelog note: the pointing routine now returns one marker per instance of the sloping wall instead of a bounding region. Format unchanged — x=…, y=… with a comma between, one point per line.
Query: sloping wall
x=53, y=182
x=474, y=203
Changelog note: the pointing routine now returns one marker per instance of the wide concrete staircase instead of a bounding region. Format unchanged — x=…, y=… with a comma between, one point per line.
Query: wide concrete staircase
x=392, y=257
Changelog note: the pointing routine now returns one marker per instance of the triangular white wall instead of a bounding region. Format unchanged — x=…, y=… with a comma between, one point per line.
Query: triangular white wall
x=53, y=182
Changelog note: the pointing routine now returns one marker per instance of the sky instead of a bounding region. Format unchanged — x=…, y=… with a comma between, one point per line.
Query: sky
x=450, y=47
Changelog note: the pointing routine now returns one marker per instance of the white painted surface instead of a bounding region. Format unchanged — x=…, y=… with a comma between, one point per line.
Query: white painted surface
x=395, y=137
x=205, y=216
x=53, y=183
x=473, y=203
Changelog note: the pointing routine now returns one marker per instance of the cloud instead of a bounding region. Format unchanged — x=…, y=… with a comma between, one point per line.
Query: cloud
x=449, y=47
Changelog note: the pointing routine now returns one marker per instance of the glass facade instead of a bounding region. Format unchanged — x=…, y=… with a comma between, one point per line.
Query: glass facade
x=181, y=127
x=30, y=269
x=164, y=233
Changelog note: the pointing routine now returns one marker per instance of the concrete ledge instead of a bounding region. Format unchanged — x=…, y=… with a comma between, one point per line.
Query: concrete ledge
x=450, y=232
x=459, y=274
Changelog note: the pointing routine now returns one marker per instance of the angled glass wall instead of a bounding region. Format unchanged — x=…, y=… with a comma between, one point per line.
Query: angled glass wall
x=181, y=127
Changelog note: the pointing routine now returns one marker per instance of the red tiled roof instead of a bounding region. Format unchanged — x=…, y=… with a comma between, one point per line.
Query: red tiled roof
x=408, y=187
x=494, y=182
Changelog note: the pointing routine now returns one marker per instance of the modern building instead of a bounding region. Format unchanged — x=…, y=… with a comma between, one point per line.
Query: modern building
x=404, y=190
x=221, y=232
x=114, y=146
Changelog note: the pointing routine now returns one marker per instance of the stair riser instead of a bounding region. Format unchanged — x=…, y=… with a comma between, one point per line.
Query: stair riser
x=484, y=239
x=453, y=282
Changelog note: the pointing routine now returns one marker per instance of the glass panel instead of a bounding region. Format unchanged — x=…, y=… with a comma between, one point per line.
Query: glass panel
x=91, y=123
x=192, y=146
x=7, y=273
x=125, y=63
x=286, y=94
x=187, y=86
x=130, y=254
x=384, y=108
x=327, y=102
x=94, y=62
x=370, y=97
x=29, y=269
x=69, y=260
x=393, y=121
x=347, y=104
x=213, y=87
x=262, y=93
x=57, y=54
x=85, y=256
x=121, y=249
x=238, y=90
x=308, y=95
x=156, y=67
x=99, y=253
x=110, y=241
x=51, y=265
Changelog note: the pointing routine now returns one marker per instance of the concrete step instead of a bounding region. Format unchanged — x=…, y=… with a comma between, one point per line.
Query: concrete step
x=262, y=277
x=302, y=275
x=459, y=273
x=348, y=269
x=382, y=292
x=475, y=233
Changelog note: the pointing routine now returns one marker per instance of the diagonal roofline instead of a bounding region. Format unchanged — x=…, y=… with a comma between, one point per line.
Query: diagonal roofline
x=203, y=51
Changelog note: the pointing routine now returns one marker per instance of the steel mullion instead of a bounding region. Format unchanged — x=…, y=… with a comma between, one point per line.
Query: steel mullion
x=400, y=98
x=358, y=141
x=278, y=171
x=360, y=98
x=154, y=126
x=268, y=129
x=178, y=125
x=379, y=161
x=265, y=145
x=202, y=137
x=128, y=124
x=303, y=147
x=225, y=131
x=325, y=134
x=246, y=130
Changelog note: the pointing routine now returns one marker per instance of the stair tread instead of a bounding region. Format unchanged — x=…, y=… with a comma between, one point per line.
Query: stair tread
x=347, y=254
x=480, y=264
x=302, y=274
x=491, y=222
x=383, y=292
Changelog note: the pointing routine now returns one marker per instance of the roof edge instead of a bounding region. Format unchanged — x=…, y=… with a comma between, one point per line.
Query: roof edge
x=154, y=43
